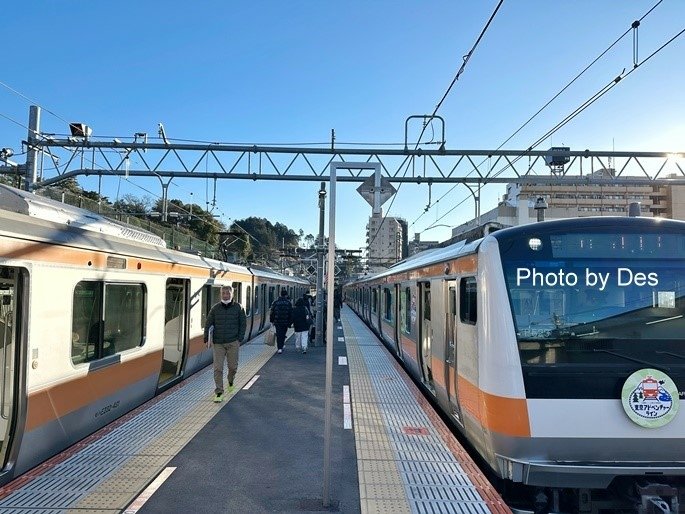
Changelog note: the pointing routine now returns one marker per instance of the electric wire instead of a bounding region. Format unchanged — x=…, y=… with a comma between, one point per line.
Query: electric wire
x=461, y=69
x=632, y=27
x=604, y=90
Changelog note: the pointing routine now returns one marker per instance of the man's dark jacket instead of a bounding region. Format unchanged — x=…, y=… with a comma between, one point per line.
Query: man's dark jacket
x=281, y=312
x=228, y=321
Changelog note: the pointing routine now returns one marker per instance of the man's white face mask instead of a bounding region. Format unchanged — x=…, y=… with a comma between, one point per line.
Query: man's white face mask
x=226, y=296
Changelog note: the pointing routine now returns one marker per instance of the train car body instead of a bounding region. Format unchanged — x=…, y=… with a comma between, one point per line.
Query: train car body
x=95, y=319
x=556, y=348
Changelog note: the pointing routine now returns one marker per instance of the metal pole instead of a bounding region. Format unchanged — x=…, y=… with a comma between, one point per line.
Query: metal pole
x=32, y=152
x=319, y=267
x=329, y=346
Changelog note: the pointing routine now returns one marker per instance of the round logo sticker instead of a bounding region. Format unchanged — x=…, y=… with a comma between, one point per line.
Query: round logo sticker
x=650, y=398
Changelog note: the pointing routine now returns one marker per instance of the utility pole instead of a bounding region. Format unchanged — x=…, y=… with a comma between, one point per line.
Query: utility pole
x=319, y=267
x=32, y=152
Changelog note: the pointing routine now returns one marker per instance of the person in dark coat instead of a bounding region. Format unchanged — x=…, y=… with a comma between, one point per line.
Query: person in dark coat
x=226, y=325
x=337, y=305
x=281, y=316
x=302, y=320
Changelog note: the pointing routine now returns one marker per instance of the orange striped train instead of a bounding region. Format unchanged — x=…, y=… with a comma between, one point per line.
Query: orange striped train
x=97, y=318
x=557, y=349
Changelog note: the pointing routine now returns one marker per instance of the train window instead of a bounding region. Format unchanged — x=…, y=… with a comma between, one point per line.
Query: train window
x=256, y=300
x=467, y=300
x=205, y=304
x=427, y=302
x=272, y=299
x=248, y=296
x=387, y=312
x=408, y=310
x=237, y=292
x=97, y=334
x=374, y=301
x=123, y=319
x=86, y=321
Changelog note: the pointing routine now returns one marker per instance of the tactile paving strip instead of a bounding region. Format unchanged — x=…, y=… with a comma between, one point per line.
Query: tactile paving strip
x=397, y=442
x=122, y=458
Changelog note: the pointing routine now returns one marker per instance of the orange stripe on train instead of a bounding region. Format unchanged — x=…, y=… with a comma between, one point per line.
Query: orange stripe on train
x=59, y=400
x=507, y=416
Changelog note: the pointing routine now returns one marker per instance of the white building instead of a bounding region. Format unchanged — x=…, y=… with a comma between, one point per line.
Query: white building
x=386, y=241
x=573, y=201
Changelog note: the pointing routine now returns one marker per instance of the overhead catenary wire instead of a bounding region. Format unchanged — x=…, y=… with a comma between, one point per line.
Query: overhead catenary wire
x=461, y=69
x=32, y=101
x=95, y=166
x=596, y=96
x=633, y=27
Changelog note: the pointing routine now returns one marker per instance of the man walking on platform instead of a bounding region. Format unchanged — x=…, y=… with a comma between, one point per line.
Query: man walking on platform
x=282, y=317
x=226, y=320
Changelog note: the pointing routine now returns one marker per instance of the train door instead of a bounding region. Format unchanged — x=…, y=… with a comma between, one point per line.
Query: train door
x=451, y=380
x=175, y=329
x=12, y=283
x=261, y=301
x=425, y=333
x=398, y=320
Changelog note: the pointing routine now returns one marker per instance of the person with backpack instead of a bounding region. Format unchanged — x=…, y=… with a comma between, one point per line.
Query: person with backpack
x=281, y=316
x=302, y=320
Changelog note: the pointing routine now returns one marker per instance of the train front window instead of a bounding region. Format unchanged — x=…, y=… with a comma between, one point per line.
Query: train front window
x=598, y=297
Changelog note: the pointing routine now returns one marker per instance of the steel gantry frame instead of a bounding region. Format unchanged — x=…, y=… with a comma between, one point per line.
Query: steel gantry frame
x=75, y=156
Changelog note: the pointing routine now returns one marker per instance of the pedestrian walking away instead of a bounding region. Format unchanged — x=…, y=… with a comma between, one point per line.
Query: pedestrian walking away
x=225, y=330
x=302, y=320
x=281, y=316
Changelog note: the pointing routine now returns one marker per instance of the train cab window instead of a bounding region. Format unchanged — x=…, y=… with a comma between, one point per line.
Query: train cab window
x=237, y=292
x=467, y=300
x=248, y=296
x=107, y=319
x=387, y=311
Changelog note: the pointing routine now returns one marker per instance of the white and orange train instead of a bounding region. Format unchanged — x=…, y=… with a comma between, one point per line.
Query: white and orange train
x=557, y=349
x=96, y=319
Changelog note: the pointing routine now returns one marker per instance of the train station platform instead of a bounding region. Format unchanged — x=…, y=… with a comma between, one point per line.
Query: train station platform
x=262, y=449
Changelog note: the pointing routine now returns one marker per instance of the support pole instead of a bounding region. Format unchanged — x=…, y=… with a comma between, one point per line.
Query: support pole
x=32, y=152
x=330, y=336
x=319, y=267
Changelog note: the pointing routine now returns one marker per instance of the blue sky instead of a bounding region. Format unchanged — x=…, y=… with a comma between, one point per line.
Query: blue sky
x=285, y=72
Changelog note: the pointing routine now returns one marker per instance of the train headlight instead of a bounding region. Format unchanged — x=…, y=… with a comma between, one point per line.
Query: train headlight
x=534, y=243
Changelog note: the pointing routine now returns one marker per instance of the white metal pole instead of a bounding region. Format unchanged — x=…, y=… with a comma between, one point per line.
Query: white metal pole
x=330, y=337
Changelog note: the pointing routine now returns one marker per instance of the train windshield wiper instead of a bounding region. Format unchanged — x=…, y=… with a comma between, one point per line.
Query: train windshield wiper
x=671, y=354
x=641, y=361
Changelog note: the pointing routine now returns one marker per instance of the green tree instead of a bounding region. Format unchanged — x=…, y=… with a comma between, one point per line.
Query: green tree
x=129, y=204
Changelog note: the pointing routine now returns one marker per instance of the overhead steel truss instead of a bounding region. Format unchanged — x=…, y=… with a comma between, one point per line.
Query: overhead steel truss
x=72, y=157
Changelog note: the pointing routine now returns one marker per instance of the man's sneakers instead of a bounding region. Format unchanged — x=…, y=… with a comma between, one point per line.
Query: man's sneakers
x=231, y=388
x=218, y=397
x=280, y=351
